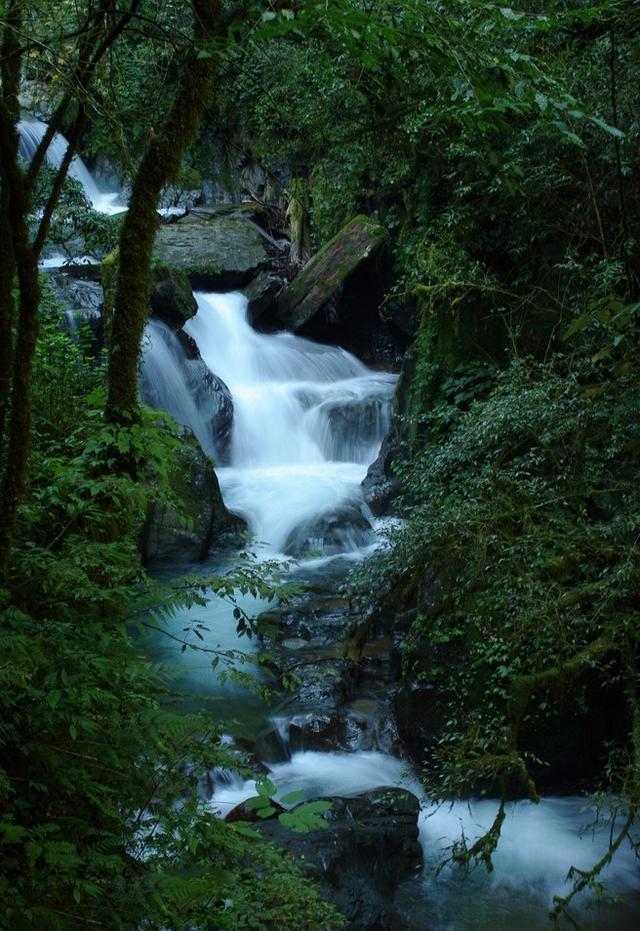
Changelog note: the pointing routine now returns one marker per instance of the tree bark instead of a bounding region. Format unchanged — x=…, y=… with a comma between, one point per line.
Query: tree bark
x=14, y=479
x=160, y=165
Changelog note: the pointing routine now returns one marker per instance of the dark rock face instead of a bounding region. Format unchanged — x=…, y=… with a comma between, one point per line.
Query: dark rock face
x=164, y=538
x=380, y=485
x=83, y=301
x=171, y=297
x=352, y=427
x=319, y=283
x=217, y=253
x=369, y=848
x=261, y=294
x=214, y=403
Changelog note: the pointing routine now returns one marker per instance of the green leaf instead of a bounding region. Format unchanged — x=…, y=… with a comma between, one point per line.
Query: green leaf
x=578, y=325
x=292, y=798
x=257, y=802
x=265, y=787
x=508, y=13
x=611, y=130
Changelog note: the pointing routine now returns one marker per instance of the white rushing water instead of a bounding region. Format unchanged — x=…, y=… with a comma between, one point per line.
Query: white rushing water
x=166, y=383
x=31, y=134
x=308, y=421
x=538, y=842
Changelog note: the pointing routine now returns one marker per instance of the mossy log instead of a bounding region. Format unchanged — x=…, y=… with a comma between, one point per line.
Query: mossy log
x=322, y=278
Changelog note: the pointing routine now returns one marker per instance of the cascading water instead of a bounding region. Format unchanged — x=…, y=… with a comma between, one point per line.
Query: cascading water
x=538, y=842
x=170, y=379
x=308, y=421
x=31, y=134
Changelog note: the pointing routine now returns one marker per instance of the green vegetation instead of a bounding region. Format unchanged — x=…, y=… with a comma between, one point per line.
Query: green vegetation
x=498, y=147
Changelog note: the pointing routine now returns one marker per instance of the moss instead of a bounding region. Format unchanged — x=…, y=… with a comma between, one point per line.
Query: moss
x=171, y=297
x=108, y=279
x=322, y=278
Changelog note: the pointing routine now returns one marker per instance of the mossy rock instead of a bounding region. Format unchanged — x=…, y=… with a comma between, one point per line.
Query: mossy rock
x=171, y=297
x=199, y=522
x=220, y=254
x=322, y=278
x=261, y=294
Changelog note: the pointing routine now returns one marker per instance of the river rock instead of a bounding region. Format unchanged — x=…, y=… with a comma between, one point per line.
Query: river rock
x=261, y=293
x=353, y=426
x=321, y=280
x=164, y=538
x=342, y=529
x=369, y=848
x=215, y=405
x=171, y=297
x=220, y=254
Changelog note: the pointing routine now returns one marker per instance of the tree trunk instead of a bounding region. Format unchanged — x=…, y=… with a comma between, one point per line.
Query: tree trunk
x=160, y=165
x=19, y=421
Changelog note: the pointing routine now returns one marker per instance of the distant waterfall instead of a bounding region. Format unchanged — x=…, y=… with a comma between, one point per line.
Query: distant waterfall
x=31, y=134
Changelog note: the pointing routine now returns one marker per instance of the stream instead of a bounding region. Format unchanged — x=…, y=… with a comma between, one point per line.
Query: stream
x=308, y=420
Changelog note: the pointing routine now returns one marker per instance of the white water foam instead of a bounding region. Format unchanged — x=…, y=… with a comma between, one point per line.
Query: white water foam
x=538, y=843
x=308, y=421
x=31, y=134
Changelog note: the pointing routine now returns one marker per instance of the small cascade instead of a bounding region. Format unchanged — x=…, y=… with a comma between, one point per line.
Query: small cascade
x=184, y=387
x=537, y=843
x=31, y=134
x=308, y=421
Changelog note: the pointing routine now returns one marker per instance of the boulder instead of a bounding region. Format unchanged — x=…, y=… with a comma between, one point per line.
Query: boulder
x=218, y=254
x=336, y=531
x=261, y=293
x=214, y=403
x=171, y=297
x=166, y=537
x=369, y=848
x=321, y=280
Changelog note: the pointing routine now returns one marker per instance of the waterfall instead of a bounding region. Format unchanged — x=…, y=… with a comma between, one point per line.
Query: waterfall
x=308, y=421
x=31, y=134
x=184, y=387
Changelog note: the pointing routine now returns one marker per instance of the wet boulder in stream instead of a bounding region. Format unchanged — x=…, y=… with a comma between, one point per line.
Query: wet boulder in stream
x=343, y=529
x=171, y=297
x=369, y=848
x=184, y=533
x=219, y=253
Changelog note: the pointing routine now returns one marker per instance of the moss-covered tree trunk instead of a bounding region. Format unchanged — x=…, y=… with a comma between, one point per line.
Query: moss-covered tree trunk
x=297, y=195
x=19, y=259
x=160, y=165
x=19, y=319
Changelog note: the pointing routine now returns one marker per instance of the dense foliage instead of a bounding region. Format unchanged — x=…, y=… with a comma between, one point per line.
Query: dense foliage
x=499, y=147
x=101, y=822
